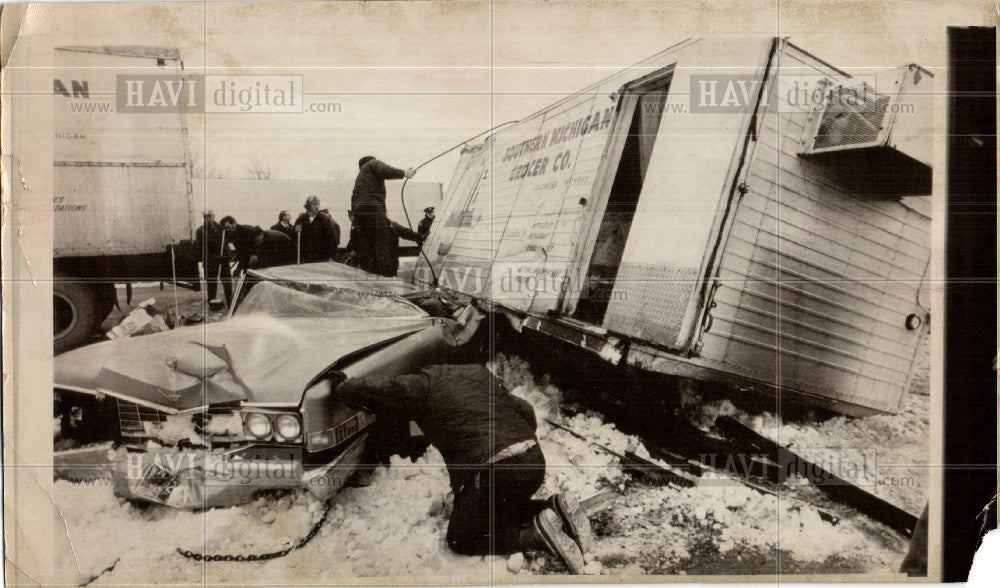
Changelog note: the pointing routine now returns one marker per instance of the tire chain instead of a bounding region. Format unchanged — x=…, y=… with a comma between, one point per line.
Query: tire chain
x=260, y=556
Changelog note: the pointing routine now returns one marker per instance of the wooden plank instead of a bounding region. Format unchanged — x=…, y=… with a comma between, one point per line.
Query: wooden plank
x=836, y=487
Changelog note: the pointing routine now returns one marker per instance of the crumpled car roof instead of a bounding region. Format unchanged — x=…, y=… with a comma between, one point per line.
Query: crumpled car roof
x=270, y=359
x=323, y=300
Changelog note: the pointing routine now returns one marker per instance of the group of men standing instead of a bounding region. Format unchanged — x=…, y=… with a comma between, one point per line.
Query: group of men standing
x=314, y=236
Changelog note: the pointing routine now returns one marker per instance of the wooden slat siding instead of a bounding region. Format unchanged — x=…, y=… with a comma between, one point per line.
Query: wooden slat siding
x=760, y=309
x=797, y=325
x=871, y=214
x=799, y=267
x=854, y=249
x=813, y=263
x=757, y=294
x=875, y=309
x=817, y=276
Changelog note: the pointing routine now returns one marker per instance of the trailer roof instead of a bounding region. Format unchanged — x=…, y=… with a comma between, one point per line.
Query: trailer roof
x=651, y=63
x=127, y=50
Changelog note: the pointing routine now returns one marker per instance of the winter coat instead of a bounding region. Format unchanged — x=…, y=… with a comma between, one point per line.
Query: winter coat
x=462, y=409
x=242, y=239
x=369, y=187
x=275, y=249
x=289, y=230
x=208, y=238
x=320, y=236
x=424, y=226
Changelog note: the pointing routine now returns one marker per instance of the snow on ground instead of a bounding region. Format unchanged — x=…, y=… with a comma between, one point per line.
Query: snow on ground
x=886, y=455
x=397, y=524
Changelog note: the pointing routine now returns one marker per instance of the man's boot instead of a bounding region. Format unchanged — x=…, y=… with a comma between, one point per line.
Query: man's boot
x=567, y=506
x=546, y=532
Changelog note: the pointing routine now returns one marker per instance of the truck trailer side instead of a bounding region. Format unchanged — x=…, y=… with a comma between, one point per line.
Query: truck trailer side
x=122, y=193
x=678, y=218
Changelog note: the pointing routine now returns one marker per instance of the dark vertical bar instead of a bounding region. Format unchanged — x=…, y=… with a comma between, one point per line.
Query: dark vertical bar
x=970, y=402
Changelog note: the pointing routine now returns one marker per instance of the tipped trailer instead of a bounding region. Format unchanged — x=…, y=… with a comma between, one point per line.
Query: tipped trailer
x=733, y=211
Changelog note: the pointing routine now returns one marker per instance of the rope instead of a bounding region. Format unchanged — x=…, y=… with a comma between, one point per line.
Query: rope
x=402, y=191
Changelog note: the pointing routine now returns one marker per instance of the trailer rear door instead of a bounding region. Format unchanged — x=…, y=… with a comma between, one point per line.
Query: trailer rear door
x=681, y=208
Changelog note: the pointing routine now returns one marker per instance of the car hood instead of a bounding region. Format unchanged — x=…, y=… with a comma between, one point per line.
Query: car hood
x=254, y=358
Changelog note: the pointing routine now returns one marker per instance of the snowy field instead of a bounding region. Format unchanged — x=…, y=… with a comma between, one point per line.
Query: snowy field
x=396, y=526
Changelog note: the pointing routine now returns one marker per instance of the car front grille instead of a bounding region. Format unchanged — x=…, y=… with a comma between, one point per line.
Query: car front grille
x=131, y=417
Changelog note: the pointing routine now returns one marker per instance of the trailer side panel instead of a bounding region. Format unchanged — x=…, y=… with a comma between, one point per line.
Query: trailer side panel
x=816, y=283
x=121, y=181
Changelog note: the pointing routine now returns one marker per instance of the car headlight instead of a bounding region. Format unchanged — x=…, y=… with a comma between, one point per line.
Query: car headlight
x=287, y=427
x=258, y=425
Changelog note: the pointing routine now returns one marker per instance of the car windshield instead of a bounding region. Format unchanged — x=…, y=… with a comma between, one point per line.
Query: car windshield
x=300, y=300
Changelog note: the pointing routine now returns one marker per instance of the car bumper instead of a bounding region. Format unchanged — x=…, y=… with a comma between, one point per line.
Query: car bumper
x=193, y=479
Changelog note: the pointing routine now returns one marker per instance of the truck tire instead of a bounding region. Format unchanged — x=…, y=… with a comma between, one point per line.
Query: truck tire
x=74, y=313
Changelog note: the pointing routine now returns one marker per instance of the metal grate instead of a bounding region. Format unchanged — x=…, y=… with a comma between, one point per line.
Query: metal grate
x=131, y=417
x=851, y=122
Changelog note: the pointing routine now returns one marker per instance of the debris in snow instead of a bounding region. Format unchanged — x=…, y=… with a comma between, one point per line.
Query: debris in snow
x=515, y=563
x=145, y=319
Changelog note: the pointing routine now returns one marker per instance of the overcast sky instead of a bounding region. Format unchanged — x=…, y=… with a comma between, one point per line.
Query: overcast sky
x=413, y=78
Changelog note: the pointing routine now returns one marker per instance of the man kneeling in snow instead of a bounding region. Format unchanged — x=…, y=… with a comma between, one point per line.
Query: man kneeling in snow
x=487, y=439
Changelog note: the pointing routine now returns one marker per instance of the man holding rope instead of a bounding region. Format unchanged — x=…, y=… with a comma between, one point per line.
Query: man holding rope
x=377, y=239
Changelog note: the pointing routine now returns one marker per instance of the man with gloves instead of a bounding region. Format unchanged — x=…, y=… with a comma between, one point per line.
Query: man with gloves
x=487, y=439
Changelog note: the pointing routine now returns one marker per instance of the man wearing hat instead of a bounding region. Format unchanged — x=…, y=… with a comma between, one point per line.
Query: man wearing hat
x=376, y=239
x=318, y=234
x=209, y=239
x=424, y=226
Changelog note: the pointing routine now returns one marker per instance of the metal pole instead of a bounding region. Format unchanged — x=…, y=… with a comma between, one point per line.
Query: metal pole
x=173, y=270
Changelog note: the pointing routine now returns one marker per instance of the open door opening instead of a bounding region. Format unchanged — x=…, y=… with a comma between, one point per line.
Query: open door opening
x=649, y=103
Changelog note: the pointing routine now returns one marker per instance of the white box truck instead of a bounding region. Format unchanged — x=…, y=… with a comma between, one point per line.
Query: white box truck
x=122, y=195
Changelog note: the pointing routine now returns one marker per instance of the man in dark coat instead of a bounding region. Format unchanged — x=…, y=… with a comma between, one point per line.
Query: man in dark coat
x=319, y=233
x=398, y=232
x=285, y=225
x=272, y=248
x=208, y=238
x=374, y=233
x=424, y=226
x=487, y=439
x=240, y=242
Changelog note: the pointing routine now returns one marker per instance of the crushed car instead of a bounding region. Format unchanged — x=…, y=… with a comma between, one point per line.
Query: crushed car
x=209, y=415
